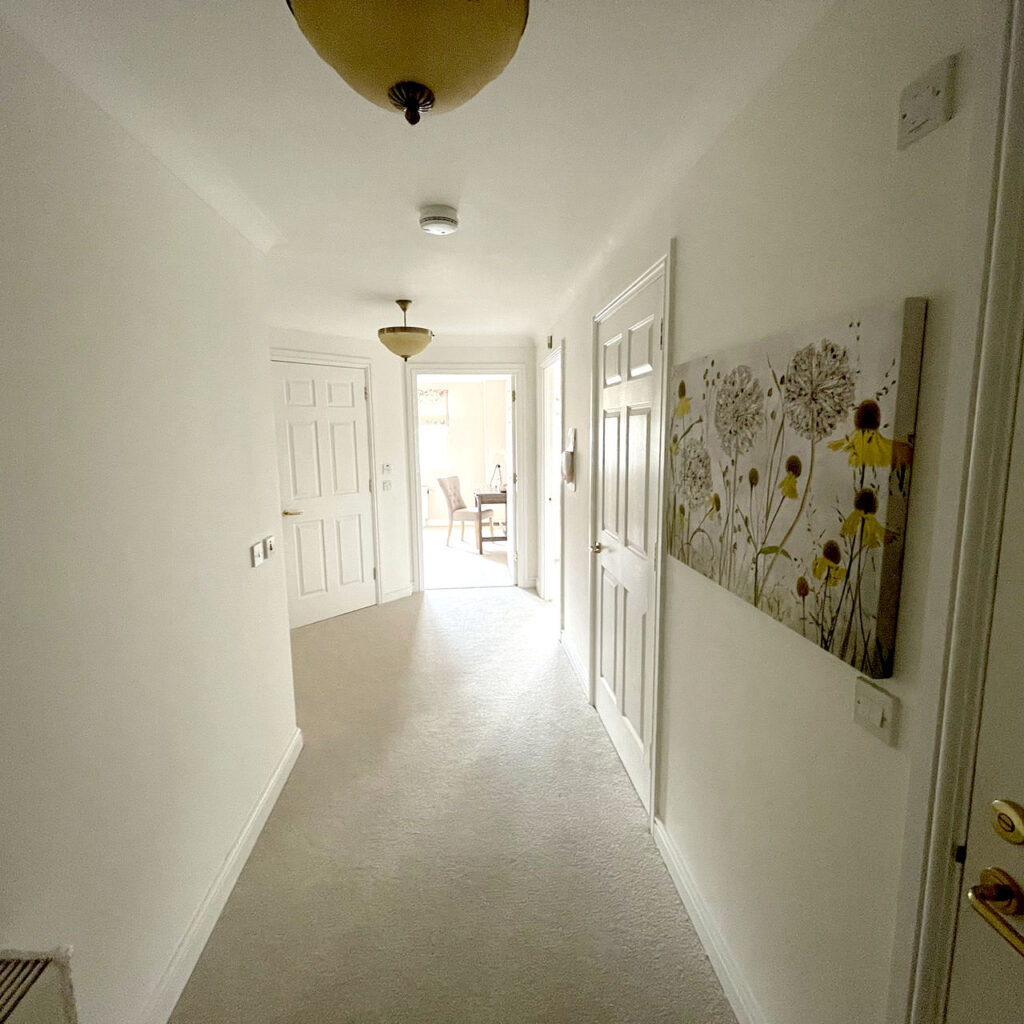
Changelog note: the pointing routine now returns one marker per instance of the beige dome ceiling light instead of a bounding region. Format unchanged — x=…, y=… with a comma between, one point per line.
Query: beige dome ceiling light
x=416, y=55
x=405, y=341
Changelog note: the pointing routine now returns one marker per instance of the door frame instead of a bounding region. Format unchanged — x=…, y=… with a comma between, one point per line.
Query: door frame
x=998, y=363
x=290, y=355
x=520, y=494
x=663, y=267
x=556, y=358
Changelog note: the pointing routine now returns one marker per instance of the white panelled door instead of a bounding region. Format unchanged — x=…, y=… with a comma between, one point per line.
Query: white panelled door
x=988, y=971
x=629, y=443
x=323, y=451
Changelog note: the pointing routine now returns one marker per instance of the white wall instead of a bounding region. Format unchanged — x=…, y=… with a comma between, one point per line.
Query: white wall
x=803, y=834
x=389, y=425
x=147, y=692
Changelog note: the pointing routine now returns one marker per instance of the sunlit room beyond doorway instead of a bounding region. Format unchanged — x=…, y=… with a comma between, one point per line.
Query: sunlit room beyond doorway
x=466, y=459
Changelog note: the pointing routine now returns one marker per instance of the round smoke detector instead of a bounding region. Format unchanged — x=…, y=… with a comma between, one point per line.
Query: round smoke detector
x=439, y=220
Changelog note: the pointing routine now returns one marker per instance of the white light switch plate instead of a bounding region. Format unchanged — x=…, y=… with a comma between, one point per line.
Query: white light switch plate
x=256, y=552
x=926, y=103
x=876, y=709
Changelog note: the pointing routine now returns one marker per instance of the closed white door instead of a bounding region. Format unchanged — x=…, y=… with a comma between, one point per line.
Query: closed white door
x=628, y=436
x=988, y=971
x=323, y=454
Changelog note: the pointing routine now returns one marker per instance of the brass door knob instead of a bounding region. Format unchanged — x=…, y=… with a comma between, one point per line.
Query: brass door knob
x=596, y=548
x=995, y=895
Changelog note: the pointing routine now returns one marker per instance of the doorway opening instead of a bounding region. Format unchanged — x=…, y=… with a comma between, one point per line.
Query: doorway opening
x=466, y=461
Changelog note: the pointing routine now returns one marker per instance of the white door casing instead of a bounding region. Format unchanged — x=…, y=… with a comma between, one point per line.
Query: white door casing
x=627, y=436
x=987, y=984
x=323, y=449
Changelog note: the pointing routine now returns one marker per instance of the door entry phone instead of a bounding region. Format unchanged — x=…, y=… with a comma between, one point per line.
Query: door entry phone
x=569, y=460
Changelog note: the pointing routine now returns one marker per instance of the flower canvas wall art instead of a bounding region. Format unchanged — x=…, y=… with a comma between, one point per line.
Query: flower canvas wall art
x=788, y=472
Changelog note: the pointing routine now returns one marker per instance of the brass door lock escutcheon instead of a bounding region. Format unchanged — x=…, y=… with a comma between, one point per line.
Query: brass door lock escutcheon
x=1007, y=820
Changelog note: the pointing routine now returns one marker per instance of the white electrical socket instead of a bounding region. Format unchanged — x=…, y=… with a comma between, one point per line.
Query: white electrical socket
x=268, y=546
x=876, y=710
x=926, y=103
x=256, y=551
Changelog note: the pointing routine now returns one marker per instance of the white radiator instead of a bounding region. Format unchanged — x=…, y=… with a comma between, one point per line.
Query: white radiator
x=35, y=988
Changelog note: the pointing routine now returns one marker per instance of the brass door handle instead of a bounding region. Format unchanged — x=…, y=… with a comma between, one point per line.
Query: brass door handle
x=289, y=512
x=998, y=893
x=596, y=549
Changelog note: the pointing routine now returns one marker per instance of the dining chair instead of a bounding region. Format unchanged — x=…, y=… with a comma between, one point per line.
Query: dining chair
x=459, y=513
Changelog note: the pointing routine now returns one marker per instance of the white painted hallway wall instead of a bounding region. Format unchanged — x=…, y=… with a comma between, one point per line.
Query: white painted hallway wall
x=147, y=691
x=800, y=837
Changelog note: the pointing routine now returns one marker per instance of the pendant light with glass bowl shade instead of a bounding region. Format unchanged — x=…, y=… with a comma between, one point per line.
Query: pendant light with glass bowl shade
x=416, y=55
x=405, y=341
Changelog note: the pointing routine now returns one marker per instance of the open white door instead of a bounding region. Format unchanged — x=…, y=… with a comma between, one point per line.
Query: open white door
x=323, y=452
x=628, y=439
x=512, y=481
x=551, y=483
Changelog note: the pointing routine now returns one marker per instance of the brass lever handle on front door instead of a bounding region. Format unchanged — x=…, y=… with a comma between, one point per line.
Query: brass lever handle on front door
x=998, y=893
x=289, y=512
x=596, y=549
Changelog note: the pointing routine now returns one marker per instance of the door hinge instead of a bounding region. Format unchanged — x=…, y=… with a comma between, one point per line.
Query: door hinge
x=515, y=478
x=366, y=392
x=375, y=573
x=513, y=394
x=960, y=854
x=515, y=557
x=661, y=335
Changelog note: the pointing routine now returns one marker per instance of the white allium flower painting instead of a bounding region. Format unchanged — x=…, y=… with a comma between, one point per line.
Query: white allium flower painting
x=789, y=473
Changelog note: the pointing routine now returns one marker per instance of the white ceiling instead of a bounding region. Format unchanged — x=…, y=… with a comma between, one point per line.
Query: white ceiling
x=603, y=106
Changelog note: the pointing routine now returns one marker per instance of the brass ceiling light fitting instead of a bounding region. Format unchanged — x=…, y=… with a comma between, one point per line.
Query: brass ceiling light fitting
x=405, y=341
x=417, y=55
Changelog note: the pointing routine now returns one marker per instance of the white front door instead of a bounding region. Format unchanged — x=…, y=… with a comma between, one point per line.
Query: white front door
x=323, y=453
x=628, y=436
x=988, y=972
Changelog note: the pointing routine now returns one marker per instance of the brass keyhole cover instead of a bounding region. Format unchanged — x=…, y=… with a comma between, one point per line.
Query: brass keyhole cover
x=1007, y=820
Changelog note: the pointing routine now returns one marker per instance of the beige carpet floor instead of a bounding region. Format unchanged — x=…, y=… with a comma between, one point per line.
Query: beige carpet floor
x=459, y=563
x=458, y=842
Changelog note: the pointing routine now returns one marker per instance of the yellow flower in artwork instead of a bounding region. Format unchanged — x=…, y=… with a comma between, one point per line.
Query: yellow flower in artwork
x=866, y=445
x=794, y=467
x=865, y=505
x=826, y=566
x=683, y=405
x=714, y=504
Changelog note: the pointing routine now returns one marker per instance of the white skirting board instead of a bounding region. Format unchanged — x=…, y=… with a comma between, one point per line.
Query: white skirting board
x=174, y=979
x=577, y=665
x=396, y=595
x=742, y=1000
